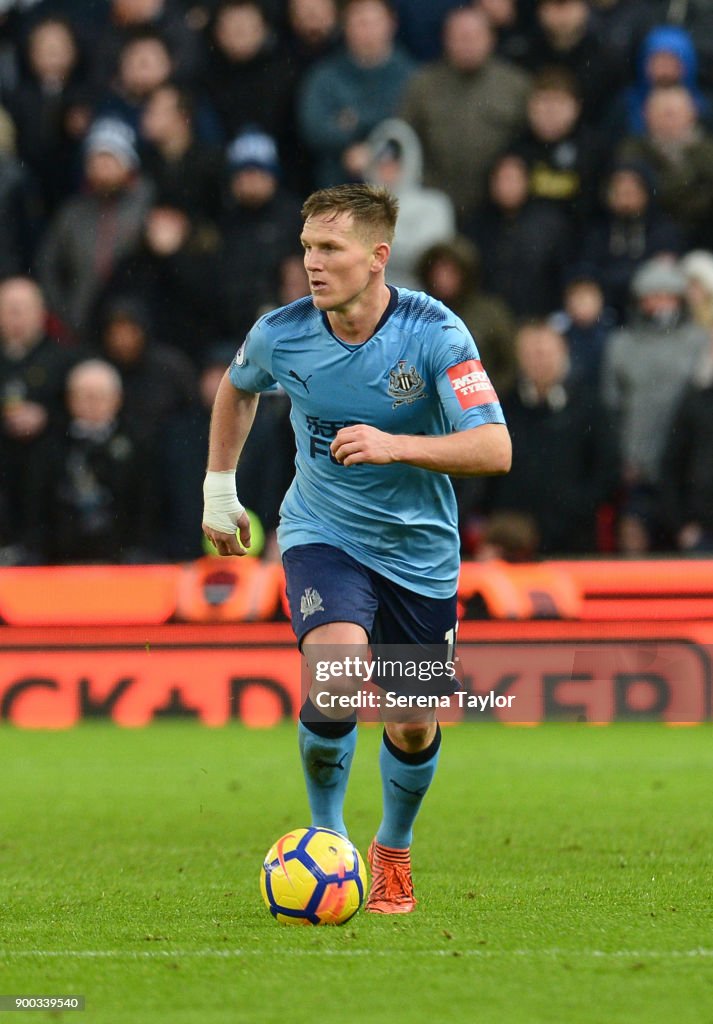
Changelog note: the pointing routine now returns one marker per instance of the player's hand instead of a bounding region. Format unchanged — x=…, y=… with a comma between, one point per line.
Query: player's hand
x=224, y=518
x=227, y=543
x=361, y=443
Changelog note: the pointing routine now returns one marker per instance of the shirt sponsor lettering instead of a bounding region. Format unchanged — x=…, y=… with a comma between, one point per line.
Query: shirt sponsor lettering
x=322, y=433
x=326, y=428
x=471, y=384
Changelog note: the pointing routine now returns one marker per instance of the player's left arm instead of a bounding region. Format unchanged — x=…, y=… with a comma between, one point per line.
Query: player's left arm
x=478, y=451
x=479, y=443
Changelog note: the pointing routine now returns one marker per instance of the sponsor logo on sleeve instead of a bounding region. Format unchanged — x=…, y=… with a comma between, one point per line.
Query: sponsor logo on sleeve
x=240, y=354
x=471, y=384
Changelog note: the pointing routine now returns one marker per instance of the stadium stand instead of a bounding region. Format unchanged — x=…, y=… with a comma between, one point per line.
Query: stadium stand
x=108, y=111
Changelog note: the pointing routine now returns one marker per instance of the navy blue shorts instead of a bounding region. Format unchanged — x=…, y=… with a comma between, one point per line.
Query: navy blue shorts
x=324, y=584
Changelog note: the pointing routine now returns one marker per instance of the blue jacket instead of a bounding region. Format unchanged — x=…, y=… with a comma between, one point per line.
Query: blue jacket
x=665, y=39
x=340, y=104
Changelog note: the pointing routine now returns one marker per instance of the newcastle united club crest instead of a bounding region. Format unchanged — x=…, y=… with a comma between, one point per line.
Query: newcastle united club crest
x=311, y=602
x=406, y=386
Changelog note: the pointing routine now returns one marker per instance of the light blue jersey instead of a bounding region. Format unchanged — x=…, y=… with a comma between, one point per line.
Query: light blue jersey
x=419, y=373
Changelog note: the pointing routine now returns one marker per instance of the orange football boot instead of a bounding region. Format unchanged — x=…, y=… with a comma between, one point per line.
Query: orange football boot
x=391, y=884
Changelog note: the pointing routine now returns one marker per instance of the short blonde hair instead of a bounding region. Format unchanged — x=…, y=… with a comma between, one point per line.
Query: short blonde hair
x=373, y=208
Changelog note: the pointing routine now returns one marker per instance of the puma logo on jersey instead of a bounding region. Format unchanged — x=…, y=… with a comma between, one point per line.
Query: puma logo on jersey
x=303, y=382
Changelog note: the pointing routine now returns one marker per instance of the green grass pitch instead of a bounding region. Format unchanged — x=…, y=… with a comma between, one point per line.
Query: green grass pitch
x=565, y=874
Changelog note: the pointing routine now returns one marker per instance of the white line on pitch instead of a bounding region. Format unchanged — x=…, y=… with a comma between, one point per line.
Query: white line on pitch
x=485, y=954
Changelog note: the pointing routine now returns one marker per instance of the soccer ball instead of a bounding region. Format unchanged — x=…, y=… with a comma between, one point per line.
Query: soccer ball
x=313, y=876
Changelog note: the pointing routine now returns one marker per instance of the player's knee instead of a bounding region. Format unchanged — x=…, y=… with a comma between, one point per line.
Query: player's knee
x=411, y=736
x=338, y=672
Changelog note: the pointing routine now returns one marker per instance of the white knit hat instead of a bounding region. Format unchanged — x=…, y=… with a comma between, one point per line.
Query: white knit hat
x=658, y=275
x=698, y=266
x=111, y=135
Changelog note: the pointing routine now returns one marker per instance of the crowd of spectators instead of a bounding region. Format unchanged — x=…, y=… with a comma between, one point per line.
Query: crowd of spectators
x=554, y=165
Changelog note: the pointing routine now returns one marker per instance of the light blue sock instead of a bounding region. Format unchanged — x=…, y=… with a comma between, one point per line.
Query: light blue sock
x=326, y=762
x=404, y=779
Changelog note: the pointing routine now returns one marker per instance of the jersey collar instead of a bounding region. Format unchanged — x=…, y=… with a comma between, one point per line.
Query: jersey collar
x=392, y=304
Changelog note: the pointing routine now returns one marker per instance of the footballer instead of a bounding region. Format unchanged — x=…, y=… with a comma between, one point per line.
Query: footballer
x=388, y=397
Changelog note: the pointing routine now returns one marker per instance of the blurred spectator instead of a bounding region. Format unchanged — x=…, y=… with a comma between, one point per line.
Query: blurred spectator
x=426, y=215
x=697, y=267
x=10, y=553
x=312, y=32
x=33, y=368
x=291, y=283
x=528, y=242
x=68, y=174
x=562, y=154
x=144, y=65
x=564, y=454
x=133, y=17
x=647, y=365
x=93, y=476
x=680, y=155
x=630, y=230
x=585, y=322
x=17, y=220
x=312, y=35
x=465, y=108
x=345, y=96
x=421, y=25
x=175, y=273
x=183, y=443
x=667, y=57
x=621, y=25
x=179, y=165
x=93, y=12
x=696, y=16
x=508, y=26
x=245, y=76
x=200, y=11
x=92, y=232
x=260, y=224
x=451, y=272
x=158, y=380
x=52, y=72
x=566, y=35
x=686, y=506
x=11, y=26
x=508, y=536
x=292, y=280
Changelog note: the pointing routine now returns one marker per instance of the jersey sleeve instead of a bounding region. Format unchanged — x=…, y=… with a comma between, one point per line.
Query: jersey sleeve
x=251, y=368
x=464, y=388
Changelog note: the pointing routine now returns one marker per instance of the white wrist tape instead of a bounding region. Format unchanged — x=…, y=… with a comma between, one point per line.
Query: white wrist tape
x=221, y=508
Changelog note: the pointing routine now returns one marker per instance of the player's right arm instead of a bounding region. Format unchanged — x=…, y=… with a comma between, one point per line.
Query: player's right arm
x=223, y=515
x=233, y=414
